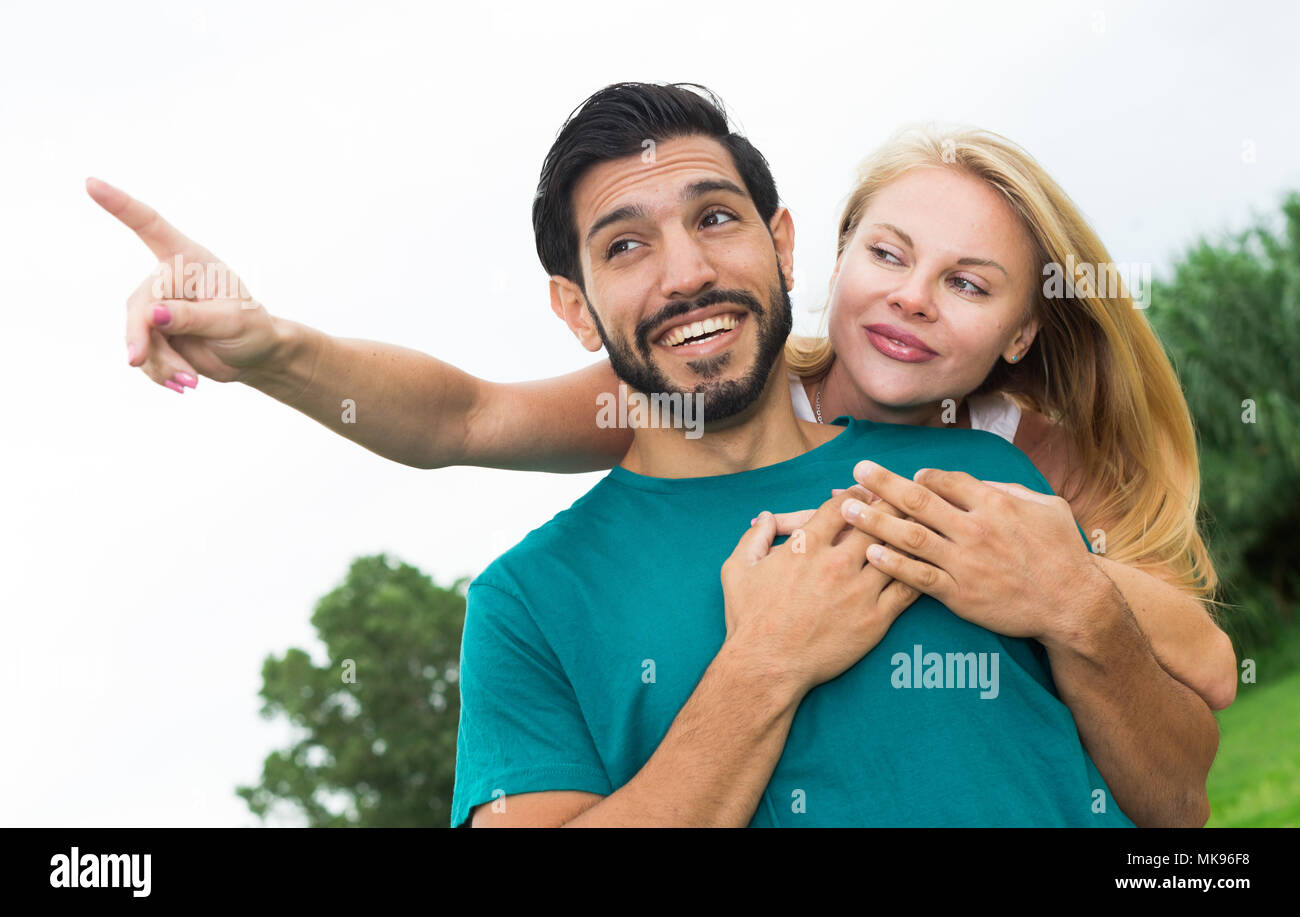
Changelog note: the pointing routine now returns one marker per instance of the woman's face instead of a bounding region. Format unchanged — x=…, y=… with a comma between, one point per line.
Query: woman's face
x=931, y=291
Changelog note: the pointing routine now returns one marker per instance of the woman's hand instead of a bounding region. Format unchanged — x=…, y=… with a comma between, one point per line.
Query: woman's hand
x=998, y=555
x=201, y=322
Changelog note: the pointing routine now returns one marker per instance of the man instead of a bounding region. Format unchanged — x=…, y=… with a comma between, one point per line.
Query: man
x=609, y=675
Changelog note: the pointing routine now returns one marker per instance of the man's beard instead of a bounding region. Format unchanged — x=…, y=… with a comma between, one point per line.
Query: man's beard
x=724, y=398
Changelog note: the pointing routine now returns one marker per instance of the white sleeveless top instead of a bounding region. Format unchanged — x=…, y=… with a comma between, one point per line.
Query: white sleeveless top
x=995, y=413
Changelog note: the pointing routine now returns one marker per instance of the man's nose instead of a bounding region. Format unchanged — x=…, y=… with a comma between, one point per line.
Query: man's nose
x=687, y=270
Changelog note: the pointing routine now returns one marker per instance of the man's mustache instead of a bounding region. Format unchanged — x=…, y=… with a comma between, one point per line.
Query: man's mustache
x=711, y=298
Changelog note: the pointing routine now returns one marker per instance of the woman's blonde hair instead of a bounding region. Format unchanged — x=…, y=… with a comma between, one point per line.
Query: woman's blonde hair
x=1095, y=367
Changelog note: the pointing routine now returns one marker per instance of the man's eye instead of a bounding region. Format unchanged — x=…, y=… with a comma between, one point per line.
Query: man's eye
x=717, y=213
x=617, y=248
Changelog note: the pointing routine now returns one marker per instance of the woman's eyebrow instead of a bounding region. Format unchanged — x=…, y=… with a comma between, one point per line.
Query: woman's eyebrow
x=984, y=262
x=978, y=262
x=898, y=232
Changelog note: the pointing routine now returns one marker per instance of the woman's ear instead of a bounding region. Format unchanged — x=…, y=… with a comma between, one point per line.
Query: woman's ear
x=570, y=304
x=1023, y=340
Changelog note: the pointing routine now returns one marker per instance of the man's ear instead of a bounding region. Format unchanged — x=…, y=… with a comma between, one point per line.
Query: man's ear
x=569, y=303
x=781, y=226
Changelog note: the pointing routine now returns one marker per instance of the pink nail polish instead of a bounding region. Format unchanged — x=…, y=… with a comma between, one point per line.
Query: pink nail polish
x=161, y=315
x=130, y=353
x=174, y=387
x=186, y=379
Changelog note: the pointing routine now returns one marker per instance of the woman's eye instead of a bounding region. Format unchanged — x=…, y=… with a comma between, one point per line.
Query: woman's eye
x=970, y=287
x=885, y=255
x=726, y=217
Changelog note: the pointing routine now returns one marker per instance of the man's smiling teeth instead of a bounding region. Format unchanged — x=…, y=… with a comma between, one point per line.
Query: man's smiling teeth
x=699, y=329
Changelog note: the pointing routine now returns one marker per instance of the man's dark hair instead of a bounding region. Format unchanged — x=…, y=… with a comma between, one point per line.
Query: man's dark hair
x=615, y=122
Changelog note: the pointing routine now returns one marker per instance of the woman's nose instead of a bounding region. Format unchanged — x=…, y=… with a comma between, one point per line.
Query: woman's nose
x=914, y=299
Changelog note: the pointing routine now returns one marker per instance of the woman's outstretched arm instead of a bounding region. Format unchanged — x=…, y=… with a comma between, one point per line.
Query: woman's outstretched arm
x=193, y=316
x=415, y=409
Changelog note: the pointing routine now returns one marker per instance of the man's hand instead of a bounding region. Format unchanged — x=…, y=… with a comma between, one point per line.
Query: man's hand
x=810, y=608
x=205, y=324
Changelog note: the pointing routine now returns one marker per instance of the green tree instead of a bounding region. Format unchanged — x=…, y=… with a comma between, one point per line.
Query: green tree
x=378, y=720
x=1230, y=320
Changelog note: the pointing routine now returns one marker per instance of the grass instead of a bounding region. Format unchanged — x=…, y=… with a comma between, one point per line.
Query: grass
x=1255, y=779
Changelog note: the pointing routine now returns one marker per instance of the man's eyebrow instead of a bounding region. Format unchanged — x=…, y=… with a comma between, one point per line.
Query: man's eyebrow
x=709, y=185
x=981, y=262
x=630, y=212
x=689, y=193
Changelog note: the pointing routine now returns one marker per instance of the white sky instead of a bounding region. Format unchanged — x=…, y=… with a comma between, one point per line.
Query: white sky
x=368, y=169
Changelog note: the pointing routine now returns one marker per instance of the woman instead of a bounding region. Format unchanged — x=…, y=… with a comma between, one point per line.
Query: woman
x=1079, y=383
x=937, y=313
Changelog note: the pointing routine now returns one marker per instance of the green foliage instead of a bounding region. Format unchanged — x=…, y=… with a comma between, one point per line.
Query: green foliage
x=379, y=719
x=1230, y=321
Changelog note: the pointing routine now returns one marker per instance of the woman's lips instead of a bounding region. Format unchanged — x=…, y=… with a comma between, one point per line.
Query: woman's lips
x=898, y=345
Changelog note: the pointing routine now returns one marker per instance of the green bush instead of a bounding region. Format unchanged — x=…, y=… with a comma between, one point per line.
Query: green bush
x=1230, y=320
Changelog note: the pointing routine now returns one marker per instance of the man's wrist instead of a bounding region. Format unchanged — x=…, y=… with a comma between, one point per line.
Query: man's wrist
x=776, y=690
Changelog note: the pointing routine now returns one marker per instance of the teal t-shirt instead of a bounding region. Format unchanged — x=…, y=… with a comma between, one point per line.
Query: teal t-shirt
x=584, y=641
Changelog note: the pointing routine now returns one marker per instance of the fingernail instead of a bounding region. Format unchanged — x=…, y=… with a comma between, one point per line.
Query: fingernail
x=853, y=508
x=875, y=553
x=752, y=521
x=867, y=496
x=174, y=387
x=130, y=353
x=161, y=315
x=836, y=491
x=186, y=379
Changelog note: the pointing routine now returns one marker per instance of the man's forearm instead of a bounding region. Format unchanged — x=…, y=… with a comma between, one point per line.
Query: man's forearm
x=398, y=403
x=712, y=766
x=1152, y=738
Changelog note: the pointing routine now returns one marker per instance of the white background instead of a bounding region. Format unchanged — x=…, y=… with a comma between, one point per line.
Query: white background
x=368, y=168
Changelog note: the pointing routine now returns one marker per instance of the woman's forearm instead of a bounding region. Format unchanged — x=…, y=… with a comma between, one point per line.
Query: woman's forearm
x=1184, y=639
x=420, y=411
x=396, y=402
